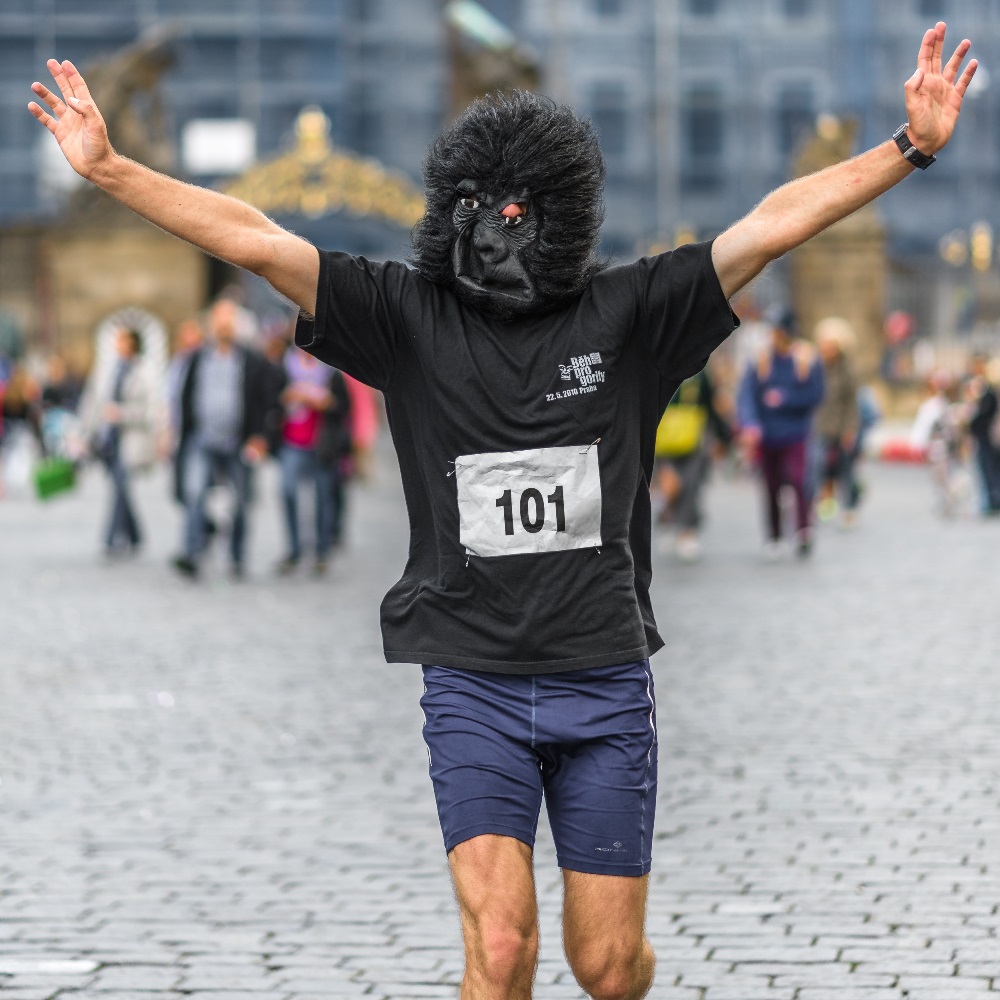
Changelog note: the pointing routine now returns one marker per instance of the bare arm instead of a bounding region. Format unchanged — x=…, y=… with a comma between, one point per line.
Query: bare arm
x=219, y=225
x=804, y=207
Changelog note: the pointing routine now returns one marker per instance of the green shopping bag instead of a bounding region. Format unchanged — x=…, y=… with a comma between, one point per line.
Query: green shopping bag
x=54, y=476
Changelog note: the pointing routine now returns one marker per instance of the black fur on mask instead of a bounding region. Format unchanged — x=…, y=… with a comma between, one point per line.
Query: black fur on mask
x=518, y=142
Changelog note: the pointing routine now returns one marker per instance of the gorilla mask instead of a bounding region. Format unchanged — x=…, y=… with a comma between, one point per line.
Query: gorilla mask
x=514, y=206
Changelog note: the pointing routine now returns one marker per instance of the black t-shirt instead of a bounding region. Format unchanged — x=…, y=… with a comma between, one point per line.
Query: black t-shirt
x=525, y=451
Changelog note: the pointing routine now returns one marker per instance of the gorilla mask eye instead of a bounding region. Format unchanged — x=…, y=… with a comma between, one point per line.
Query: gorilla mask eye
x=510, y=221
x=469, y=202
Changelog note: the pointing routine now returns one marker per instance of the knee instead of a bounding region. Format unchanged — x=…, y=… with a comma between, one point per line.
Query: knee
x=619, y=971
x=506, y=954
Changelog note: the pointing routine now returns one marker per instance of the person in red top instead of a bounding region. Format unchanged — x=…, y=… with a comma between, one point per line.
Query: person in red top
x=306, y=398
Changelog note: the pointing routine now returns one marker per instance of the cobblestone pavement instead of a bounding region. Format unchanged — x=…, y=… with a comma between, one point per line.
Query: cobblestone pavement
x=218, y=790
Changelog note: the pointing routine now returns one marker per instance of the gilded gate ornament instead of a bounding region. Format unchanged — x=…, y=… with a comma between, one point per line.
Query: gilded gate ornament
x=315, y=179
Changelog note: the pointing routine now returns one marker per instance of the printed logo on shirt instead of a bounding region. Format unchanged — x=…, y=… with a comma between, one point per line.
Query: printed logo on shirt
x=529, y=502
x=581, y=371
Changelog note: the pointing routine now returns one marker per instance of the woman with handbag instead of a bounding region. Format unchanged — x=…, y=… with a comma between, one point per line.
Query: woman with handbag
x=683, y=459
x=119, y=411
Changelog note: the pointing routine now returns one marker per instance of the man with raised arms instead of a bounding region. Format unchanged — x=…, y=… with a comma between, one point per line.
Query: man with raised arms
x=524, y=382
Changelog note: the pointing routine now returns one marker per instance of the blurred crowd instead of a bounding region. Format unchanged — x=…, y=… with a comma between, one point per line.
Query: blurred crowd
x=234, y=393
x=957, y=430
x=783, y=405
x=789, y=408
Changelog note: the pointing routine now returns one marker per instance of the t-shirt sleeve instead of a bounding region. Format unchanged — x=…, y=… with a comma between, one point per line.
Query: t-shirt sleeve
x=683, y=314
x=357, y=326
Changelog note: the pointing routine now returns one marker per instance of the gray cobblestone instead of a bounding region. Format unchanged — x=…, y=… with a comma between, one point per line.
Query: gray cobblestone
x=221, y=788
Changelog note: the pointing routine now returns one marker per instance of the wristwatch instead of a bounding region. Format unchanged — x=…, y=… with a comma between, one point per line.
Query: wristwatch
x=918, y=159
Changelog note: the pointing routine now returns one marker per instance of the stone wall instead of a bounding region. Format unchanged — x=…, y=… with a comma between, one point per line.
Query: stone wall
x=61, y=283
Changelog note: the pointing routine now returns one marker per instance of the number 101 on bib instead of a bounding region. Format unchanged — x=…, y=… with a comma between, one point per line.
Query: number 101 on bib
x=528, y=502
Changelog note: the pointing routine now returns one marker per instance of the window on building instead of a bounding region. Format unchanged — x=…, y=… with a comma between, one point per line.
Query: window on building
x=796, y=115
x=18, y=193
x=610, y=117
x=119, y=10
x=313, y=8
x=703, y=137
x=365, y=123
x=703, y=122
x=797, y=9
x=211, y=59
x=17, y=59
x=703, y=8
x=285, y=59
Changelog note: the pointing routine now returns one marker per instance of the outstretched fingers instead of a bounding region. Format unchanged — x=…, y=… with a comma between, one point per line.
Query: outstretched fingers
x=43, y=116
x=925, y=57
x=57, y=106
x=50, y=121
x=939, y=30
x=951, y=70
x=966, y=78
x=75, y=80
x=62, y=80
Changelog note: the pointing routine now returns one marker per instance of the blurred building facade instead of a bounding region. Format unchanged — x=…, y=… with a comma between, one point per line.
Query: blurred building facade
x=701, y=104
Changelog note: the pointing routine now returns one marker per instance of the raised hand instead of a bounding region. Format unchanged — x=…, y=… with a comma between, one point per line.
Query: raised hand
x=934, y=93
x=74, y=121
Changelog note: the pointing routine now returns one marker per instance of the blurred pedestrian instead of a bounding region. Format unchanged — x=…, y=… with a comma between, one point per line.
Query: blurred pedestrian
x=984, y=429
x=836, y=424
x=61, y=432
x=778, y=396
x=689, y=425
x=939, y=432
x=61, y=389
x=188, y=340
x=222, y=418
x=20, y=427
x=315, y=401
x=365, y=417
x=277, y=341
x=335, y=449
x=869, y=414
x=118, y=414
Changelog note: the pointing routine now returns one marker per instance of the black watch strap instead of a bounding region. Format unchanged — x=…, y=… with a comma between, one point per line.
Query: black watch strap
x=918, y=159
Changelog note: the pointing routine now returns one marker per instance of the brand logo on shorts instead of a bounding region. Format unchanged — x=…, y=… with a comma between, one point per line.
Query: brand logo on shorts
x=615, y=848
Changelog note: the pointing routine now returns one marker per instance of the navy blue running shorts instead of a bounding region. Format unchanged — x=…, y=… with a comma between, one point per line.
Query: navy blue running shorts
x=583, y=739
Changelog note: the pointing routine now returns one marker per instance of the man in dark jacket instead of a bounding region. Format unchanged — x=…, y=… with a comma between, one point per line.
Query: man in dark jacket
x=224, y=404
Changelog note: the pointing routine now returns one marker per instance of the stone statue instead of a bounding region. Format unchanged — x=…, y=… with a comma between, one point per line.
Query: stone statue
x=842, y=271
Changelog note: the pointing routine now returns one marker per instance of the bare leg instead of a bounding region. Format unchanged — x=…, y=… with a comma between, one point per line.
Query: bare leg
x=495, y=886
x=604, y=920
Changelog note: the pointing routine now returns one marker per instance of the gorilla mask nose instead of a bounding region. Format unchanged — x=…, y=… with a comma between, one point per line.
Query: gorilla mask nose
x=490, y=244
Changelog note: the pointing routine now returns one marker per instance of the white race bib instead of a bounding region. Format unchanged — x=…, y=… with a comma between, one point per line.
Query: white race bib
x=525, y=502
